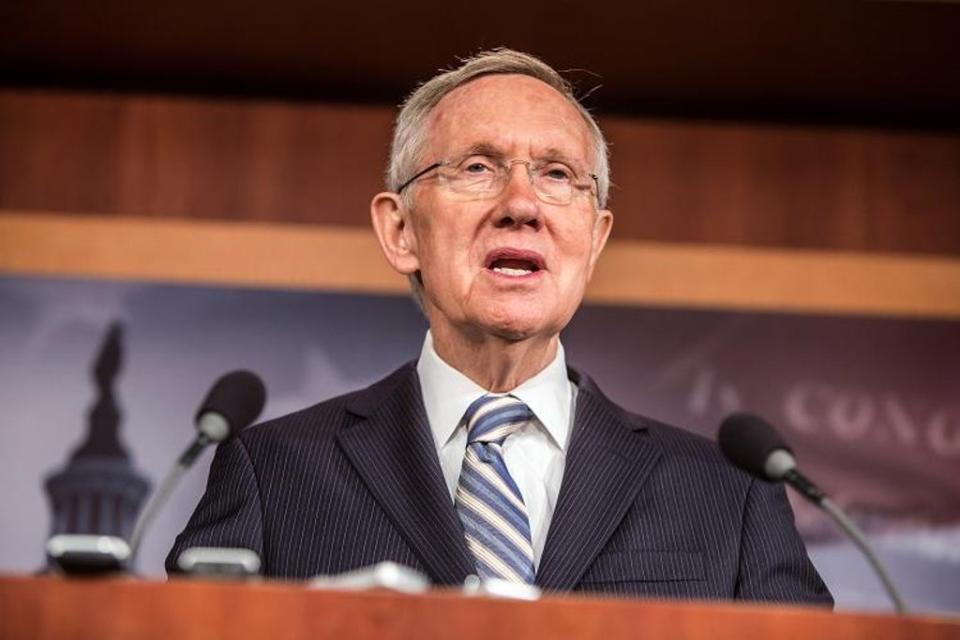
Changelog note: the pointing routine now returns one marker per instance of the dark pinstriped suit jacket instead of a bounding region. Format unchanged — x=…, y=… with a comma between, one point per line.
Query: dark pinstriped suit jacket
x=644, y=508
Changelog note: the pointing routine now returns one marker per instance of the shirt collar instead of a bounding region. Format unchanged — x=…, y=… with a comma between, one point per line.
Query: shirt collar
x=447, y=393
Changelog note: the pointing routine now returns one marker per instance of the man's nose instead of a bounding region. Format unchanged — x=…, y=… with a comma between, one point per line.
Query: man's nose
x=520, y=204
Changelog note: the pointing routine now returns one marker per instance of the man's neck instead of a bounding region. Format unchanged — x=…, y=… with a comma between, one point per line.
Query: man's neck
x=495, y=363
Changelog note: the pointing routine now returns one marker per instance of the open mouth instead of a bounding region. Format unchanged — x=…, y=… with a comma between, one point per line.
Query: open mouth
x=514, y=263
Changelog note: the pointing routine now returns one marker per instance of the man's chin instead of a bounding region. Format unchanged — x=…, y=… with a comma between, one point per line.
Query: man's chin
x=510, y=334
x=494, y=318
x=518, y=327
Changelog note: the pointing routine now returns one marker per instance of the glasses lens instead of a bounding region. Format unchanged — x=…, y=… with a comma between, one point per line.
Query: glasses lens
x=473, y=175
x=554, y=181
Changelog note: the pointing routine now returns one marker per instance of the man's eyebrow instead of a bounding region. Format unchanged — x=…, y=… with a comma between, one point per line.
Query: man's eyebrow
x=554, y=153
x=484, y=149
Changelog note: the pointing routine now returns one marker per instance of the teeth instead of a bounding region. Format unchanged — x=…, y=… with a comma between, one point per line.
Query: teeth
x=511, y=272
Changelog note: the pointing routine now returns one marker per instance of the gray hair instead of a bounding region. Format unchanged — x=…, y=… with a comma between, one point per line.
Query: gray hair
x=409, y=134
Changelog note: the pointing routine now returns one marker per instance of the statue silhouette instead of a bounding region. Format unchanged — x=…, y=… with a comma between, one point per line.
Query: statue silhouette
x=99, y=491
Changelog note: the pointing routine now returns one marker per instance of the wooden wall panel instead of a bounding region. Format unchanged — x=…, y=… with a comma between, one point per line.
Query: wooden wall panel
x=788, y=186
x=677, y=181
x=158, y=156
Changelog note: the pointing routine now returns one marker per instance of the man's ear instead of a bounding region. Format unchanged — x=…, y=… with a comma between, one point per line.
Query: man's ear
x=391, y=222
x=601, y=231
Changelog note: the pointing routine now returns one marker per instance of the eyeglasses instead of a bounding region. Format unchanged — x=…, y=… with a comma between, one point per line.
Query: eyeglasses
x=480, y=176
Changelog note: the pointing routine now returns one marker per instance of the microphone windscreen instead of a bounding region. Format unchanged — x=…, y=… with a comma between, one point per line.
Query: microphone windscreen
x=238, y=396
x=747, y=441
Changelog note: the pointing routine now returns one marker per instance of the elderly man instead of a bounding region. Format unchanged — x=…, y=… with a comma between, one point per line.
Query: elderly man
x=488, y=455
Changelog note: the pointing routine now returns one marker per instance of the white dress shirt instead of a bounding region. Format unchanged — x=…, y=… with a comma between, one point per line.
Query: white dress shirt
x=534, y=455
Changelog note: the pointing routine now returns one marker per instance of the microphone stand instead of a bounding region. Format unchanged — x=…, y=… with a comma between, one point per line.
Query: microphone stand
x=163, y=492
x=860, y=540
x=814, y=494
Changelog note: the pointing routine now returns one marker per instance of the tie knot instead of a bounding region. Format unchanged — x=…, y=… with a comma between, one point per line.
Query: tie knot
x=493, y=418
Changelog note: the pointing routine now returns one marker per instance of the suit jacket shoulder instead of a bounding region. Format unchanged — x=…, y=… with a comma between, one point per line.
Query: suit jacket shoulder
x=322, y=421
x=340, y=485
x=694, y=526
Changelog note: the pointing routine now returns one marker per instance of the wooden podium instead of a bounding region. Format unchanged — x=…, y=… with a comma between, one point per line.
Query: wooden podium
x=126, y=608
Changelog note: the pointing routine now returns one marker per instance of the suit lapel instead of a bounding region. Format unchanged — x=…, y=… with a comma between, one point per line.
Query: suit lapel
x=394, y=453
x=607, y=462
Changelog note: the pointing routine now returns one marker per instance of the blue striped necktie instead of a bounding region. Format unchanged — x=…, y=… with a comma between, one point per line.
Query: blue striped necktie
x=488, y=501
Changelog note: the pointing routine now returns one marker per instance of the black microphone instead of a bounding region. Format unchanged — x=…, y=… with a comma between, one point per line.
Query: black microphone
x=752, y=444
x=232, y=404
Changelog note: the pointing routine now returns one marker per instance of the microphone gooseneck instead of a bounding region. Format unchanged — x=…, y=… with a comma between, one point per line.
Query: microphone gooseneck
x=232, y=404
x=754, y=445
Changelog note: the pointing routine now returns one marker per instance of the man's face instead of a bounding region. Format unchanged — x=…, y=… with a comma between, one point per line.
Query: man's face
x=512, y=265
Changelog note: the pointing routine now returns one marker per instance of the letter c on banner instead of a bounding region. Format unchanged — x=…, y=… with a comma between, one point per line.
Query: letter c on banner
x=806, y=406
x=944, y=432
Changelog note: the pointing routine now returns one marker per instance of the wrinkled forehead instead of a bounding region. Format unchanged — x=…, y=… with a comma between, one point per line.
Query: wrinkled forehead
x=516, y=114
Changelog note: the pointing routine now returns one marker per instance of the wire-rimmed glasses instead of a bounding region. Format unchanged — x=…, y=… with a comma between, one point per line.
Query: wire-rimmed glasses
x=478, y=176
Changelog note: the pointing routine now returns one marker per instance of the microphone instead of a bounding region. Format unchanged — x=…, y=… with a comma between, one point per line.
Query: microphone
x=231, y=405
x=754, y=445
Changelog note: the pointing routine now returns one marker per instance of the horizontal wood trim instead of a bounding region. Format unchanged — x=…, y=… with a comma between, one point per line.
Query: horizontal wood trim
x=777, y=280
x=348, y=259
